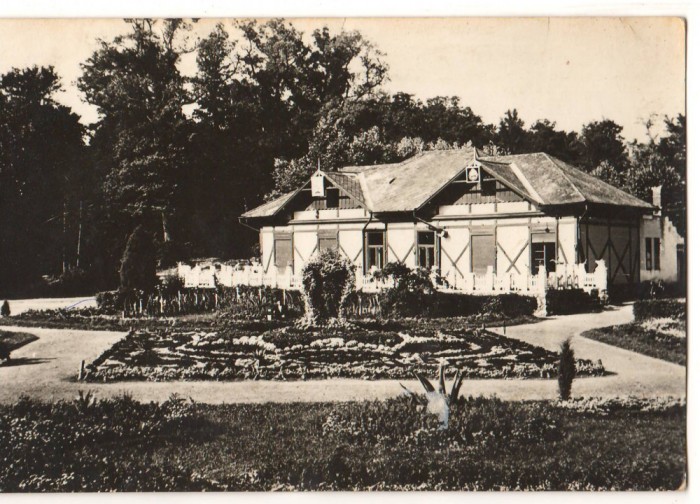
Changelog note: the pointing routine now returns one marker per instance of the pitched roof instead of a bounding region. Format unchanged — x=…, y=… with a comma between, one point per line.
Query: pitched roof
x=270, y=208
x=555, y=182
x=410, y=184
x=406, y=186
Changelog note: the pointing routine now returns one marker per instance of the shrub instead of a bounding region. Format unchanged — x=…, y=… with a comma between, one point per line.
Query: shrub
x=567, y=370
x=4, y=351
x=659, y=308
x=328, y=280
x=412, y=293
x=138, y=264
x=5, y=309
x=568, y=301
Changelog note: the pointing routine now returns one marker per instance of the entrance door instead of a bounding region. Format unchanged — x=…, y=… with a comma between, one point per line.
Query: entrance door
x=543, y=252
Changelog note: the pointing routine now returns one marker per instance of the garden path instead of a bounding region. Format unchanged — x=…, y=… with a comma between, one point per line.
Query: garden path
x=50, y=364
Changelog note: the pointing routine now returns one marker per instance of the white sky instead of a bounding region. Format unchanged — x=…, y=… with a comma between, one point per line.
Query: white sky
x=569, y=70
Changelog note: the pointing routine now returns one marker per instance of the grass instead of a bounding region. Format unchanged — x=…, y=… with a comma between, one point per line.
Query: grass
x=371, y=351
x=390, y=445
x=660, y=338
x=15, y=340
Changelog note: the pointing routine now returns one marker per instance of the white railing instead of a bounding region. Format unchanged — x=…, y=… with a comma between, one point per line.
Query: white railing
x=565, y=277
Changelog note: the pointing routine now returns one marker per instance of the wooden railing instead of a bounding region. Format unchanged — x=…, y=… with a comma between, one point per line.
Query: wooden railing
x=566, y=277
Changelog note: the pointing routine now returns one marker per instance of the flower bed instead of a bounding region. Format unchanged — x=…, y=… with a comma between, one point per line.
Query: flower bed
x=289, y=353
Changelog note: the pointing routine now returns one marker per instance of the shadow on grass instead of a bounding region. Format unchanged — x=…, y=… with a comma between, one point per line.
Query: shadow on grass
x=26, y=361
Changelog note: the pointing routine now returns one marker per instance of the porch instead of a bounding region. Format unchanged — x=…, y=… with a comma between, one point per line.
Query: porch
x=566, y=276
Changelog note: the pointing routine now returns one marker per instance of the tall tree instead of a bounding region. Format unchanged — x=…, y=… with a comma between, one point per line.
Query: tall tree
x=602, y=141
x=139, y=93
x=511, y=135
x=41, y=166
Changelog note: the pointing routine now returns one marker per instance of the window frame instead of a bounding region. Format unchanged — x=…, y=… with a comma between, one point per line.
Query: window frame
x=427, y=248
x=371, y=250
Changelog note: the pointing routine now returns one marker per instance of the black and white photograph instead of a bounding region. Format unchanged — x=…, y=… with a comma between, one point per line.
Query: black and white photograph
x=343, y=254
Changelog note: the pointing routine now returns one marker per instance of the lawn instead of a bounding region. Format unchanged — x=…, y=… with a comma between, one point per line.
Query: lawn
x=489, y=444
x=371, y=351
x=663, y=338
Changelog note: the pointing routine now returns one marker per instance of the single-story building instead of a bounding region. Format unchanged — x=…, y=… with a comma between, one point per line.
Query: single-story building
x=481, y=223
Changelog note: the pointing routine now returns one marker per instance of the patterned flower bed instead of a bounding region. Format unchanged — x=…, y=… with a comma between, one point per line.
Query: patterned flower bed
x=291, y=354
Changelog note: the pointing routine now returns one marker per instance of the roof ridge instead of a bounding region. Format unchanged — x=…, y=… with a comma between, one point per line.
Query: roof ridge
x=549, y=158
x=523, y=179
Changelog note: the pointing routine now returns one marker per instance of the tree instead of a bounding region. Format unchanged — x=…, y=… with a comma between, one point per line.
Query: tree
x=567, y=370
x=42, y=168
x=544, y=137
x=138, y=265
x=139, y=92
x=511, y=135
x=602, y=141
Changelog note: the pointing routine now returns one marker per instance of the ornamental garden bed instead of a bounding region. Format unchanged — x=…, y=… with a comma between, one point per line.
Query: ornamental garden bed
x=289, y=353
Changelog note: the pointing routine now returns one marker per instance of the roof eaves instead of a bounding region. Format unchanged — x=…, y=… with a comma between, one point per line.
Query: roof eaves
x=523, y=180
x=529, y=197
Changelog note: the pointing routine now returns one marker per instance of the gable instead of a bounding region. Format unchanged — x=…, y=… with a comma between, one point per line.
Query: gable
x=489, y=190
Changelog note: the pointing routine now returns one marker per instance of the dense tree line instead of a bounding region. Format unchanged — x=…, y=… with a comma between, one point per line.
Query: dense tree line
x=173, y=160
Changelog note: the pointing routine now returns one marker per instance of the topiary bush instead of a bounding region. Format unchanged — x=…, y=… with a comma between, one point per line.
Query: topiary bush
x=567, y=370
x=569, y=301
x=5, y=309
x=328, y=279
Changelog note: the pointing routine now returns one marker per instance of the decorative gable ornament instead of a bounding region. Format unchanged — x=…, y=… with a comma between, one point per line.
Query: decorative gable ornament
x=473, y=174
x=318, y=187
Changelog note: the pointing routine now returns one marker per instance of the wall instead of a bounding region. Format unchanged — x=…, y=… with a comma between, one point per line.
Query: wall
x=660, y=227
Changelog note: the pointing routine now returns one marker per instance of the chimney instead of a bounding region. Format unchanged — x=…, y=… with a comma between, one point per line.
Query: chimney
x=656, y=196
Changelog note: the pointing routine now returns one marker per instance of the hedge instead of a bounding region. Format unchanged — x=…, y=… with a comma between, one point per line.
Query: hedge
x=569, y=301
x=659, y=308
x=443, y=304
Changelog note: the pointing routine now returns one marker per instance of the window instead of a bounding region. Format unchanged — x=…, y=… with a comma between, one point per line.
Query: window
x=332, y=198
x=374, y=249
x=653, y=254
x=426, y=249
x=483, y=253
x=283, y=251
x=488, y=187
x=327, y=241
x=543, y=252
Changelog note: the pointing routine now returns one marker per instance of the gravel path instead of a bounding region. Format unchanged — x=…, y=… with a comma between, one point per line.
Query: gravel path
x=49, y=367
x=18, y=306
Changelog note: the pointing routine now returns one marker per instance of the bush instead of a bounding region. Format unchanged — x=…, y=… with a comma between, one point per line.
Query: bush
x=4, y=351
x=412, y=293
x=567, y=370
x=659, y=308
x=5, y=309
x=568, y=301
x=138, y=265
x=328, y=280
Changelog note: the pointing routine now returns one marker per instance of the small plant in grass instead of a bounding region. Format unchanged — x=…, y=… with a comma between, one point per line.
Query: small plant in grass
x=567, y=370
x=438, y=401
x=4, y=351
x=5, y=309
x=328, y=279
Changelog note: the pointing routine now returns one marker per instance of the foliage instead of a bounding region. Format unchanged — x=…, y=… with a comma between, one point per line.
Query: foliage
x=370, y=445
x=568, y=301
x=75, y=445
x=43, y=176
x=138, y=266
x=659, y=308
x=246, y=352
x=328, y=280
x=657, y=338
x=411, y=294
x=5, y=309
x=567, y=370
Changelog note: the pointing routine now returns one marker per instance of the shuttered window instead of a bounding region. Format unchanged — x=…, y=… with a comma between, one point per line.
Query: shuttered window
x=483, y=253
x=653, y=253
x=283, y=250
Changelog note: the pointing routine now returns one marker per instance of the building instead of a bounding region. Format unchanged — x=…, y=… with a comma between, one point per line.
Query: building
x=517, y=223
